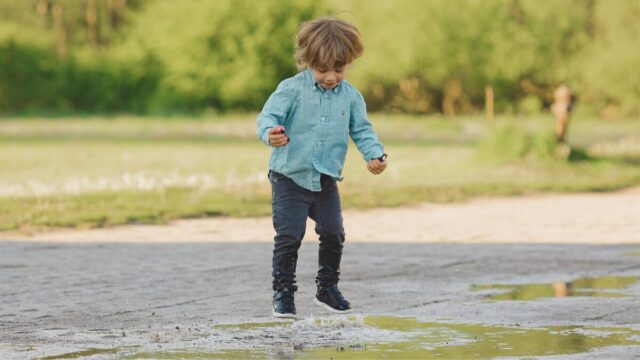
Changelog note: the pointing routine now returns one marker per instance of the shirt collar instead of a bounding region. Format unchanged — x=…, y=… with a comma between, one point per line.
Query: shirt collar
x=315, y=86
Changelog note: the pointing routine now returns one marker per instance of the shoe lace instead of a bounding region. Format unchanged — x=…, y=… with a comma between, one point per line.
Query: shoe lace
x=337, y=295
x=286, y=298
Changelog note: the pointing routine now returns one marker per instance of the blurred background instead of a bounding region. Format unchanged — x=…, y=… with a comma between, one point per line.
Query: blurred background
x=142, y=111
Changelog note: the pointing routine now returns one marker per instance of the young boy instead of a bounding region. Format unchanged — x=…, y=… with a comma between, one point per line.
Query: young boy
x=307, y=121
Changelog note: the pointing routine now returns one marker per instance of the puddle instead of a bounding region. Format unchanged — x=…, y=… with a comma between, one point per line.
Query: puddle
x=632, y=253
x=426, y=340
x=604, y=286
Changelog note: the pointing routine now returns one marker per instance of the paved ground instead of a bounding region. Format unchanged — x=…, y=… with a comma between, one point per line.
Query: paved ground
x=59, y=298
x=163, y=291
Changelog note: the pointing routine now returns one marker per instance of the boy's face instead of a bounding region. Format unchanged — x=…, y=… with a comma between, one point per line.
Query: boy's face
x=329, y=78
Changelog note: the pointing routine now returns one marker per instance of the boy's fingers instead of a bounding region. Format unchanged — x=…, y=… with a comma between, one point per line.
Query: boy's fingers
x=278, y=140
x=372, y=168
x=378, y=164
x=376, y=167
x=276, y=130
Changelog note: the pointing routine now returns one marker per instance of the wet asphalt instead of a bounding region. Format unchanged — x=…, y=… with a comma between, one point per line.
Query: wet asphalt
x=62, y=298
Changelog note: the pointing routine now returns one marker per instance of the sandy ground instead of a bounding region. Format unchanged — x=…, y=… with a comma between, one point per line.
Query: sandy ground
x=596, y=218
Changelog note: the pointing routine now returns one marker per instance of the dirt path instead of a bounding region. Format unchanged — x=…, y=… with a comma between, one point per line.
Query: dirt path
x=598, y=218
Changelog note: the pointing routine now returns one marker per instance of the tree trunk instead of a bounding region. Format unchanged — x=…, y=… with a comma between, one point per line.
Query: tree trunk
x=488, y=103
x=452, y=92
x=42, y=9
x=60, y=30
x=116, y=12
x=92, y=23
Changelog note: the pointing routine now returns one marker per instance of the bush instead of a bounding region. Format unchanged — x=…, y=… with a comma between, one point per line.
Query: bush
x=513, y=142
x=29, y=78
x=103, y=85
x=33, y=79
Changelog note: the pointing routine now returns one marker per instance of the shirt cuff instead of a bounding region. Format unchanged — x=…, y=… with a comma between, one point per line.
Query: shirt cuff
x=265, y=137
x=374, y=153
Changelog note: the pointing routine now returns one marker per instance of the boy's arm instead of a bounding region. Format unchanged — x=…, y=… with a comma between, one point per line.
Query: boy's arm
x=275, y=110
x=361, y=131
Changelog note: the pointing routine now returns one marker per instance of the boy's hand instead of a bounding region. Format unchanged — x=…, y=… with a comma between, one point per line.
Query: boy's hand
x=376, y=166
x=277, y=136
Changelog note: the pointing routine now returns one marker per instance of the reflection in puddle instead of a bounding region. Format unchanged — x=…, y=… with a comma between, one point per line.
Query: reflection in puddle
x=597, y=286
x=632, y=253
x=433, y=340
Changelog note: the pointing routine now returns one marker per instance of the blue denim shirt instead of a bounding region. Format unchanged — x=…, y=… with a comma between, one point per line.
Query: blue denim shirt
x=319, y=123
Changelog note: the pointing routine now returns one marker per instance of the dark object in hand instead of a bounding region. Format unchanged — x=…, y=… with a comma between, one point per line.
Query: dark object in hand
x=381, y=158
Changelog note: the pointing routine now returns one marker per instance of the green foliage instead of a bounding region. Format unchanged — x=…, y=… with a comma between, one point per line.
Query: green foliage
x=457, y=48
x=29, y=77
x=162, y=56
x=605, y=71
x=219, y=54
x=512, y=142
x=530, y=105
x=33, y=79
x=106, y=85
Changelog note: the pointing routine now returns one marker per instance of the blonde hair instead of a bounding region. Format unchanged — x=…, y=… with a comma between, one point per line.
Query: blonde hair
x=327, y=43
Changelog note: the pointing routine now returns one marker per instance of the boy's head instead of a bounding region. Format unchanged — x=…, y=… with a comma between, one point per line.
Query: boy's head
x=327, y=44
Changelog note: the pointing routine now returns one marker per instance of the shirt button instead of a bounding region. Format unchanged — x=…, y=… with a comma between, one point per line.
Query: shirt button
x=323, y=119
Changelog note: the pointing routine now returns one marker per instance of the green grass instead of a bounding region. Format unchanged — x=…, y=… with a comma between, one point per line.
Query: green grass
x=91, y=172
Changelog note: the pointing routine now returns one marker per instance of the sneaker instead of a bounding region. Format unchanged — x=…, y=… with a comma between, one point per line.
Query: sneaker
x=283, y=304
x=331, y=299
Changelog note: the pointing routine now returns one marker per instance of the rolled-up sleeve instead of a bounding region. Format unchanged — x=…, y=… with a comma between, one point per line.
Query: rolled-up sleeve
x=275, y=110
x=361, y=130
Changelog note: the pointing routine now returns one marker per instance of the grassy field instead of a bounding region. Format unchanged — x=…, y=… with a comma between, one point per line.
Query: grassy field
x=88, y=172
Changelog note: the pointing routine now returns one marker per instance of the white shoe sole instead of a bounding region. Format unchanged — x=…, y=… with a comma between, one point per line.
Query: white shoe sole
x=283, y=316
x=329, y=308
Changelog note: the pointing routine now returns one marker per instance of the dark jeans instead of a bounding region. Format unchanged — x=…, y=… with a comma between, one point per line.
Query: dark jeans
x=292, y=204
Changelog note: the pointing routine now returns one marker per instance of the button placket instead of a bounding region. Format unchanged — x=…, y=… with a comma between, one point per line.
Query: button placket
x=322, y=130
x=325, y=110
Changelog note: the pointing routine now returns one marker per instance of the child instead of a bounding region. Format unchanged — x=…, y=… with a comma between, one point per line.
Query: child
x=307, y=121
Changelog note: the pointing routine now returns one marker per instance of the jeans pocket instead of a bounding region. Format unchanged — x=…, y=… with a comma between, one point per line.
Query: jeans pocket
x=275, y=176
